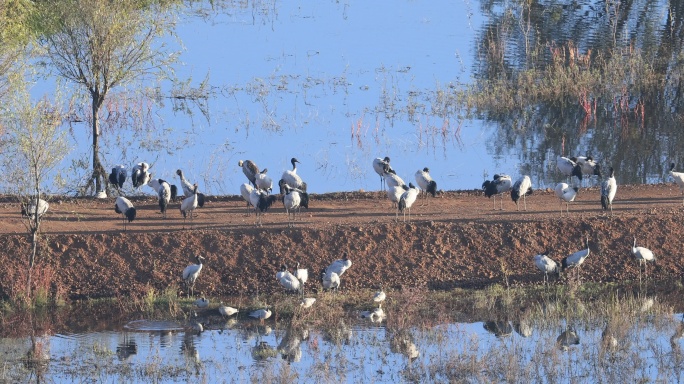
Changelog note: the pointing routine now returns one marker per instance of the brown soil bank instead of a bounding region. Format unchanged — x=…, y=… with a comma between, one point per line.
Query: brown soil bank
x=454, y=240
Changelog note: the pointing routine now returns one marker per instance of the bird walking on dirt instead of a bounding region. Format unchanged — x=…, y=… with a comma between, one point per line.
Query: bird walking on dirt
x=521, y=188
x=189, y=189
x=191, y=273
x=576, y=259
x=124, y=207
x=188, y=206
x=566, y=194
x=546, y=265
x=679, y=179
x=291, y=200
x=608, y=190
x=406, y=201
x=499, y=185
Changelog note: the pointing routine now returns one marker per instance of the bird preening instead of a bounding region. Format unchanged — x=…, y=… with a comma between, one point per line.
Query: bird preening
x=425, y=182
x=499, y=185
x=380, y=166
x=521, y=188
x=189, y=189
x=124, y=207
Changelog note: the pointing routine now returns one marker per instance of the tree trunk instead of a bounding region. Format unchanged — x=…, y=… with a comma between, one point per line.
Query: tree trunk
x=99, y=173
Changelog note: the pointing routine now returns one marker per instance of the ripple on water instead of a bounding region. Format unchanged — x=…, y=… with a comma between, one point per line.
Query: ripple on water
x=154, y=326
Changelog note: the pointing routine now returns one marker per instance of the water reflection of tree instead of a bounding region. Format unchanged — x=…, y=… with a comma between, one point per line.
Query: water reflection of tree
x=577, y=78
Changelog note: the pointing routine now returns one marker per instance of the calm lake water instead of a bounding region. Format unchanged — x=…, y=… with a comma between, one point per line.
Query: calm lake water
x=551, y=348
x=338, y=83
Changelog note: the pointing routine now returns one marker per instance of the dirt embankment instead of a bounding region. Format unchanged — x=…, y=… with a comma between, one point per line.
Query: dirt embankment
x=454, y=240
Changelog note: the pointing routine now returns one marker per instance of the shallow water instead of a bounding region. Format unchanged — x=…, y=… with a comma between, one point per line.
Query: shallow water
x=230, y=350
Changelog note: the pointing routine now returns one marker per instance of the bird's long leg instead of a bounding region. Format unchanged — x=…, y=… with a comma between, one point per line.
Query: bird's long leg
x=525, y=201
x=501, y=202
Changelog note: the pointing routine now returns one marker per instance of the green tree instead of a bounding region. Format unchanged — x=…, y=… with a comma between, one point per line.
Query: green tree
x=100, y=45
x=14, y=38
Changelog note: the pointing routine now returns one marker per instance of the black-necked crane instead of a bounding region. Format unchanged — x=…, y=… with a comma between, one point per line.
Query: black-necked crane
x=31, y=210
x=643, y=256
x=406, y=201
x=340, y=266
x=264, y=181
x=189, y=189
x=521, y=188
x=291, y=201
x=118, y=176
x=330, y=280
x=140, y=174
x=288, y=280
x=250, y=169
x=391, y=179
x=124, y=207
x=568, y=166
x=566, y=194
x=545, y=264
x=302, y=274
x=188, y=206
x=588, y=166
x=425, y=182
x=576, y=259
x=394, y=194
x=164, y=194
x=679, y=179
x=261, y=201
x=499, y=185
x=191, y=273
x=291, y=177
x=245, y=190
x=379, y=166
x=608, y=190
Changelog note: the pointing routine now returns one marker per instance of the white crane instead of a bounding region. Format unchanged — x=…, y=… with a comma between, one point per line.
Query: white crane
x=189, y=189
x=546, y=265
x=576, y=259
x=188, y=206
x=250, y=169
x=124, y=207
x=191, y=273
x=643, y=256
x=425, y=182
x=521, y=188
x=118, y=176
x=140, y=174
x=608, y=190
x=678, y=178
x=264, y=181
x=406, y=201
x=340, y=266
x=291, y=177
x=380, y=166
x=566, y=194
x=499, y=185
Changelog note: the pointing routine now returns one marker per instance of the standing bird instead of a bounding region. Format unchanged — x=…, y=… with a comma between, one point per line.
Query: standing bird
x=188, y=189
x=330, y=280
x=608, y=189
x=188, y=206
x=140, y=174
x=164, y=192
x=576, y=259
x=379, y=295
x=261, y=201
x=191, y=273
x=546, y=265
x=118, y=176
x=588, y=166
x=124, y=206
x=406, y=201
x=250, y=169
x=34, y=209
x=340, y=266
x=425, y=182
x=522, y=187
x=288, y=280
x=379, y=166
x=499, y=185
x=291, y=177
x=291, y=201
x=391, y=178
x=678, y=178
x=245, y=190
x=261, y=314
x=566, y=194
x=643, y=256
x=568, y=166
x=302, y=274
x=264, y=181
x=394, y=194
